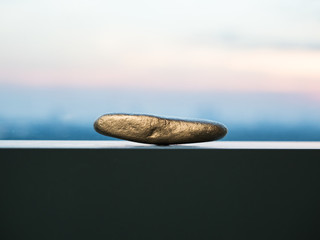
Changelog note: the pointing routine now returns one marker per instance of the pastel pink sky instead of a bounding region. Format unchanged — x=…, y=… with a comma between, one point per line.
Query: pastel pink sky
x=164, y=45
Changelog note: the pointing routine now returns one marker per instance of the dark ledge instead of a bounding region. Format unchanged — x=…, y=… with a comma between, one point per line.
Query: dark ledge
x=32, y=144
x=122, y=190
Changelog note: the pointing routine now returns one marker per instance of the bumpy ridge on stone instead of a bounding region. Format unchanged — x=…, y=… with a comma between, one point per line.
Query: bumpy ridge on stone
x=158, y=130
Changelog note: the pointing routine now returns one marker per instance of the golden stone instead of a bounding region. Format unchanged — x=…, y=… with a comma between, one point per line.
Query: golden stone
x=158, y=130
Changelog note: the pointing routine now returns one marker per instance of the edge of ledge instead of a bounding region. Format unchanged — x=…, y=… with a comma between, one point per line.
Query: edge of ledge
x=45, y=144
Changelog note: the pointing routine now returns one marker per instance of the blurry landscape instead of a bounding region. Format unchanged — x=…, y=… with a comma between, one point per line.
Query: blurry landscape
x=252, y=65
x=68, y=114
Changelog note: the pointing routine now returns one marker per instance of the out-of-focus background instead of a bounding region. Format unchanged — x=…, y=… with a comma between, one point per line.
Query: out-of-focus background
x=252, y=65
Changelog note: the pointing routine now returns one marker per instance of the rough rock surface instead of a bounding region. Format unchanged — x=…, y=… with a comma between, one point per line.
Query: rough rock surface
x=158, y=130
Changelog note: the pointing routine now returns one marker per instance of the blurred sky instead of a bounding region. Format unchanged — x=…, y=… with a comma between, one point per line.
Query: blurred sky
x=188, y=45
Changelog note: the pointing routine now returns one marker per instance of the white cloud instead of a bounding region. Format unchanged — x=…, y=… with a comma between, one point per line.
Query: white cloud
x=159, y=42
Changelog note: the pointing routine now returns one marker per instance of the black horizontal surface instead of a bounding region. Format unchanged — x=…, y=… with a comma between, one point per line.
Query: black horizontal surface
x=159, y=194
